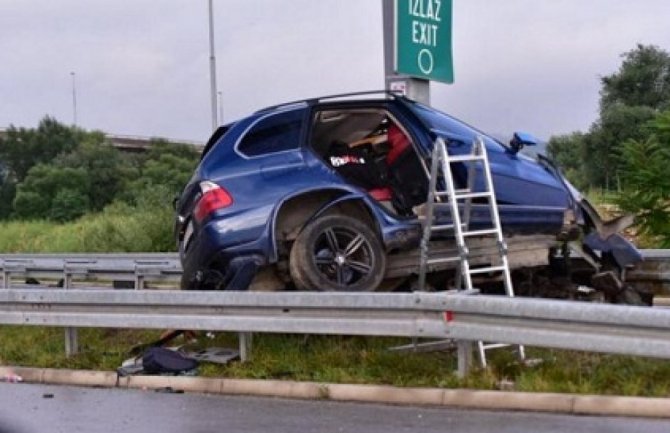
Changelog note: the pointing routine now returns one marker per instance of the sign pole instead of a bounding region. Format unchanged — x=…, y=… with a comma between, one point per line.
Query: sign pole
x=212, y=66
x=414, y=88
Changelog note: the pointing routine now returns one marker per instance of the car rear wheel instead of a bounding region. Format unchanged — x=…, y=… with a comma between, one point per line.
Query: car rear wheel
x=337, y=253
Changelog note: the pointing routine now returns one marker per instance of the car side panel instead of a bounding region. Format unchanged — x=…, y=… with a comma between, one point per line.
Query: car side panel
x=517, y=179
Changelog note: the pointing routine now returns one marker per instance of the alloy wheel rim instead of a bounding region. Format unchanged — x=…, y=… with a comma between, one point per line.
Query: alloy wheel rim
x=343, y=256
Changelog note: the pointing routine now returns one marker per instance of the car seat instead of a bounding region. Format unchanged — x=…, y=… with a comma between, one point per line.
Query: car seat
x=406, y=175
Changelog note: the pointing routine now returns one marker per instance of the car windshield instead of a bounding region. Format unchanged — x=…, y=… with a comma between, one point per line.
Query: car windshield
x=439, y=121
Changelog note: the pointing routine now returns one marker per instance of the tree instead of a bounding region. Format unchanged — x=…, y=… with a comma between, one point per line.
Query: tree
x=646, y=182
x=163, y=172
x=36, y=194
x=104, y=165
x=629, y=98
x=68, y=205
x=161, y=178
x=59, y=173
x=7, y=192
x=567, y=151
x=602, y=146
x=23, y=148
x=643, y=79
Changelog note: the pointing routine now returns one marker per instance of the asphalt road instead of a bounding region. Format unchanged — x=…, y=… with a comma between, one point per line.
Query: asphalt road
x=28, y=408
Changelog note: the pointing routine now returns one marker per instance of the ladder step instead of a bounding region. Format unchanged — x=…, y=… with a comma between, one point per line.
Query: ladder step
x=465, y=158
x=440, y=260
x=494, y=345
x=481, y=232
x=486, y=194
x=442, y=227
x=461, y=194
x=486, y=270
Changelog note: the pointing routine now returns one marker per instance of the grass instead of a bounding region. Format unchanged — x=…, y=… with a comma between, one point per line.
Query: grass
x=338, y=359
x=118, y=228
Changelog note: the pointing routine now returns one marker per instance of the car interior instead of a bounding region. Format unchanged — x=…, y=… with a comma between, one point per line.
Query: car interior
x=370, y=149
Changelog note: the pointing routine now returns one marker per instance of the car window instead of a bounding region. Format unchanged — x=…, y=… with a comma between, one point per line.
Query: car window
x=218, y=134
x=437, y=120
x=274, y=133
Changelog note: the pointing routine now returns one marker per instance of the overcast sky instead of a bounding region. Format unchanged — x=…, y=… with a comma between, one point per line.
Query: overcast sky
x=142, y=66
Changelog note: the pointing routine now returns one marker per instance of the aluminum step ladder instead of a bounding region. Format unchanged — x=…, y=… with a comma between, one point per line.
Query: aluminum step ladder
x=445, y=196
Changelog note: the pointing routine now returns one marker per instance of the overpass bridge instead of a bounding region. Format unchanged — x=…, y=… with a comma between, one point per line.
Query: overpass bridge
x=135, y=143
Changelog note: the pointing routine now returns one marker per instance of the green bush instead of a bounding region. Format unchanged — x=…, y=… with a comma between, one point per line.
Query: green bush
x=646, y=190
x=119, y=228
x=69, y=204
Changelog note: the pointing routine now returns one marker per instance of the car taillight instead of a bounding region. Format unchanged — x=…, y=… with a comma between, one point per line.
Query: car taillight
x=213, y=198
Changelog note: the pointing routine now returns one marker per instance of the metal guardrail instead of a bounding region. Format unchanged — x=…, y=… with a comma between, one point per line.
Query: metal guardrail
x=90, y=256
x=653, y=273
x=71, y=269
x=538, y=322
x=134, y=267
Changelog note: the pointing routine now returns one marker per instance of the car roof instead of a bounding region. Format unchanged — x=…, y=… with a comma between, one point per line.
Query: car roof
x=354, y=96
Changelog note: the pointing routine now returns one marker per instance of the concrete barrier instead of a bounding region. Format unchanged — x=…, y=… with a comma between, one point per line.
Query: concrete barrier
x=461, y=398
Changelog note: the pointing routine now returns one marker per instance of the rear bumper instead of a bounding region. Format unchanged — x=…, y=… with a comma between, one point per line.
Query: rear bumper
x=211, y=261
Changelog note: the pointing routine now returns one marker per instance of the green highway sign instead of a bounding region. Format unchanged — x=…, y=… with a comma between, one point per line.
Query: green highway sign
x=423, y=39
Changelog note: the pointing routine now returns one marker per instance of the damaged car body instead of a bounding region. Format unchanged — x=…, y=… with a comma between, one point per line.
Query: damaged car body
x=328, y=193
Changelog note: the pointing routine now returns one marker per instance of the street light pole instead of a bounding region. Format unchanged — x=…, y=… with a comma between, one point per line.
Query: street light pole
x=74, y=99
x=212, y=65
x=220, y=93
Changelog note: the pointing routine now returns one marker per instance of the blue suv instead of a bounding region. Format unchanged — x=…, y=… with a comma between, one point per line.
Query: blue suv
x=328, y=194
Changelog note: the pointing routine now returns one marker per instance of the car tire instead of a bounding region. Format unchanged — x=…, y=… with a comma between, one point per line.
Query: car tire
x=337, y=253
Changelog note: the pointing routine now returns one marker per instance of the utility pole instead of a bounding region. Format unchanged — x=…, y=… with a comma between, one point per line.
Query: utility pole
x=414, y=88
x=212, y=66
x=74, y=99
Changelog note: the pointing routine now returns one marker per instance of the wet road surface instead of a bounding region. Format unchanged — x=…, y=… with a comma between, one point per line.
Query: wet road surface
x=28, y=408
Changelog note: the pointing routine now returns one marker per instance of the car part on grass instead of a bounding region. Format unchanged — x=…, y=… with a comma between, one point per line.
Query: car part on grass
x=217, y=355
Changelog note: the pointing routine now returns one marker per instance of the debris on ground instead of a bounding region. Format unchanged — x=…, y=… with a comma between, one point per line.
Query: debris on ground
x=169, y=390
x=12, y=378
x=159, y=361
x=175, y=361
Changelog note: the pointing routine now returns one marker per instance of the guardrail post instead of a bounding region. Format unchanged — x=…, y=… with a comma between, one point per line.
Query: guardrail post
x=71, y=344
x=464, y=349
x=245, y=339
x=8, y=269
x=139, y=278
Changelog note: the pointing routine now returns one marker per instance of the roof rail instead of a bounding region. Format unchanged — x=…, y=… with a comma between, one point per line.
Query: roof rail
x=311, y=101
